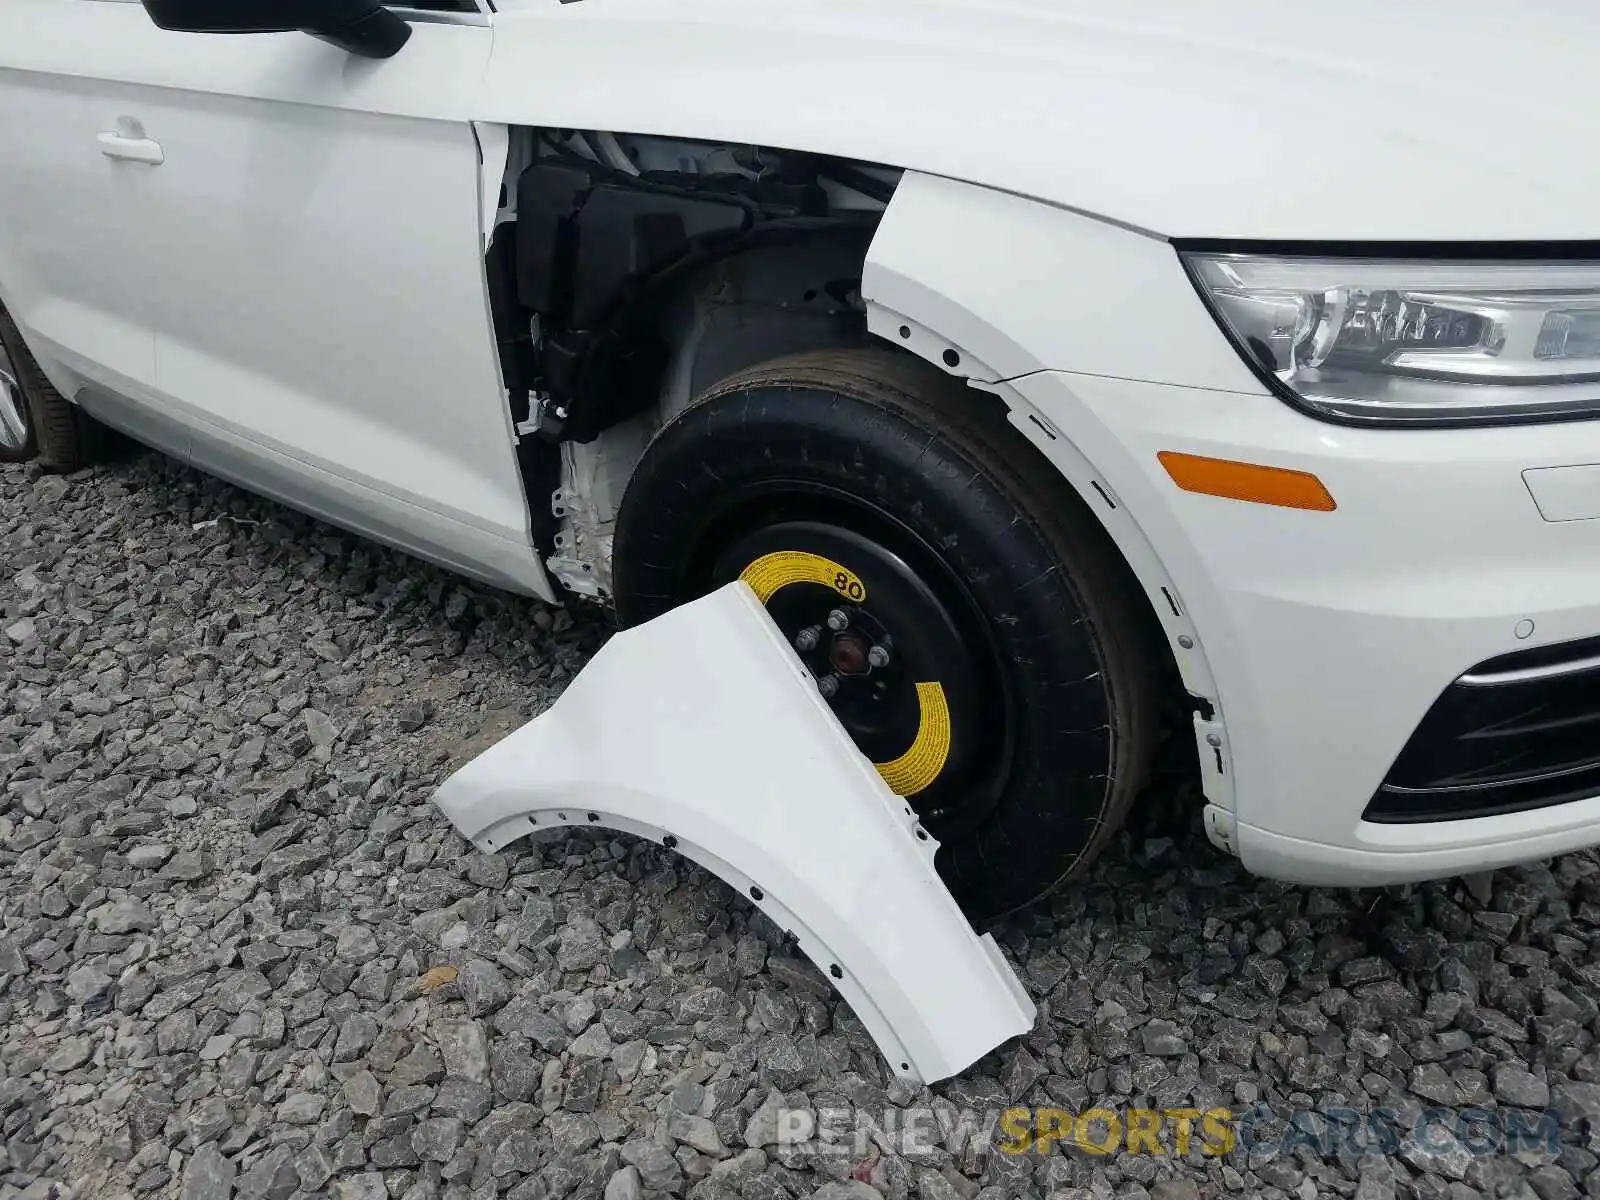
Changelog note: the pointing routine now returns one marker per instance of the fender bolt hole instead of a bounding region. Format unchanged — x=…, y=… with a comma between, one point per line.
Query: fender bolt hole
x=952, y=359
x=1186, y=641
x=562, y=816
x=905, y=331
x=594, y=816
x=905, y=1066
x=922, y=835
x=835, y=971
x=669, y=841
x=757, y=894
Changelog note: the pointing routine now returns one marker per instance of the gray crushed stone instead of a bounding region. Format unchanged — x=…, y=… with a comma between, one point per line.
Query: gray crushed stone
x=242, y=957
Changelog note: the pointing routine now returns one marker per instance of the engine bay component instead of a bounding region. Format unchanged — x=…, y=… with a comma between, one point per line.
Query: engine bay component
x=702, y=731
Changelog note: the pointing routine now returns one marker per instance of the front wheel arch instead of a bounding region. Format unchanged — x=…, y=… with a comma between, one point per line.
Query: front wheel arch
x=880, y=424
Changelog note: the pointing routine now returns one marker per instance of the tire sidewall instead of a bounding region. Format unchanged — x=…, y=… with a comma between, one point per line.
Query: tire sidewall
x=1057, y=790
x=11, y=340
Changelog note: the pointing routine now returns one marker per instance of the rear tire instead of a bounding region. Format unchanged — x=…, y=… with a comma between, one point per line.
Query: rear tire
x=57, y=431
x=868, y=487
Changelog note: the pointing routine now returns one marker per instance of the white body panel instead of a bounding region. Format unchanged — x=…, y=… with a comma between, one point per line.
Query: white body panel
x=64, y=273
x=1251, y=119
x=1322, y=638
x=302, y=271
x=702, y=728
x=1566, y=493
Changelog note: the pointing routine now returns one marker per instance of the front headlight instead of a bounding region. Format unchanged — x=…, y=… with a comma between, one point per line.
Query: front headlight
x=1386, y=340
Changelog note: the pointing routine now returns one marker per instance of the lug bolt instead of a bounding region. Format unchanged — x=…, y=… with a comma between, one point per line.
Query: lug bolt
x=828, y=685
x=807, y=639
x=878, y=656
x=838, y=620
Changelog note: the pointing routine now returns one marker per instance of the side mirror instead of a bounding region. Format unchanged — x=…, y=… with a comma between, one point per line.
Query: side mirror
x=362, y=27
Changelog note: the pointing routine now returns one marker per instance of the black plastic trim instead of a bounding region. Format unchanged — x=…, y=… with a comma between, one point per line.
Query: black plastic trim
x=1540, y=656
x=1566, y=251
x=257, y=16
x=1449, y=251
x=602, y=254
x=1513, y=745
x=1378, y=815
x=381, y=34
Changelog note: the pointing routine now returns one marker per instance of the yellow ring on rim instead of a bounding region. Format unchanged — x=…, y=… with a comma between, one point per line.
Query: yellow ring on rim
x=921, y=764
x=772, y=572
x=930, y=749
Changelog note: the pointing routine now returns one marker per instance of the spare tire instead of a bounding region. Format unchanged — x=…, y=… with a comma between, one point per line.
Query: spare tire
x=968, y=620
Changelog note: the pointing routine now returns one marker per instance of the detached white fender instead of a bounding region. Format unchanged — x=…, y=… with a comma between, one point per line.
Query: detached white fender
x=702, y=731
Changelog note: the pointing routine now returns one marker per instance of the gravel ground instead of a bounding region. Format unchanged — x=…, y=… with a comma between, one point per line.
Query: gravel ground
x=240, y=954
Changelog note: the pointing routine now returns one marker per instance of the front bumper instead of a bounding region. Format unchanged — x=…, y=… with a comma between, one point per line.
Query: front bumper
x=1323, y=638
x=1328, y=637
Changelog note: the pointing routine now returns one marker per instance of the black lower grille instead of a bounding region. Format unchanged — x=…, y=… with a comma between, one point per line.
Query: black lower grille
x=1517, y=732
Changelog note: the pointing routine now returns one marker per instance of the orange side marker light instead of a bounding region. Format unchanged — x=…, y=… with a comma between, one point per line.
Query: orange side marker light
x=1247, y=481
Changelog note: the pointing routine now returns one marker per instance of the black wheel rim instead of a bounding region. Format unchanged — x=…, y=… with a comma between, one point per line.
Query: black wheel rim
x=900, y=649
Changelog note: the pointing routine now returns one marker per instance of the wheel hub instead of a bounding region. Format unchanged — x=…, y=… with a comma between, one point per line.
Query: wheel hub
x=13, y=413
x=848, y=654
x=850, y=657
x=899, y=663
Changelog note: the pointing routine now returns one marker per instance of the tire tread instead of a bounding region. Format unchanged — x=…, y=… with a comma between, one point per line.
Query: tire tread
x=59, y=428
x=943, y=406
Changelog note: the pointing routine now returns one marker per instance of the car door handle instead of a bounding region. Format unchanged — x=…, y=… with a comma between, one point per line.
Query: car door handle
x=133, y=149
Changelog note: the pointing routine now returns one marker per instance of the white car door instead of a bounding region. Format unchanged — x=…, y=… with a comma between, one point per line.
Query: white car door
x=311, y=252
x=68, y=199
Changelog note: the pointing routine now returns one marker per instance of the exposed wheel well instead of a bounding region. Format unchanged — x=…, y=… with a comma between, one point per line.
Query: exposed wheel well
x=626, y=273
x=629, y=273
